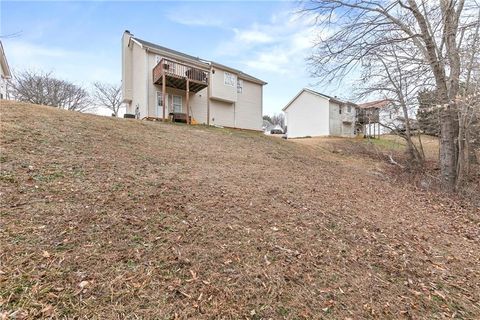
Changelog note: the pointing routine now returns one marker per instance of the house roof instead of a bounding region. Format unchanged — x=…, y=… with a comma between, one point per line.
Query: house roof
x=241, y=74
x=329, y=98
x=374, y=104
x=4, y=62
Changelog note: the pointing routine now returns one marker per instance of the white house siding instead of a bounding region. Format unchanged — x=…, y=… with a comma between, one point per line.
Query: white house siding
x=220, y=90
x=5, y=73
x=248, y=108
x=222, y=113
x=335, y=122
x=388, y=117
x=139, y=81
x=3, y=83
x=127, y=60
x=348, y=121
x=198, y=104
x=308, y=115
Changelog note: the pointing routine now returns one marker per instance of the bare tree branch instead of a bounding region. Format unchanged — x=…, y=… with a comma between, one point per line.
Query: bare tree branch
x=108, y=96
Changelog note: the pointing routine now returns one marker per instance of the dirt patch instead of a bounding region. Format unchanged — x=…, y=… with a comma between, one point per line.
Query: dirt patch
x=113, y=218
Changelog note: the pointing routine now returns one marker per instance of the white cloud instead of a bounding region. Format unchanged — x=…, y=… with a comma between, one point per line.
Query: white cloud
x=198, y=17
x=252, y=36
x=196, y=21
x=279, y=46
x=80, y=67
x=27, y=51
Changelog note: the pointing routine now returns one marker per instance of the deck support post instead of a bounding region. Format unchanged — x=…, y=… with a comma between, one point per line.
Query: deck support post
x=187, y=100
x=208, y=97
x=164, y=93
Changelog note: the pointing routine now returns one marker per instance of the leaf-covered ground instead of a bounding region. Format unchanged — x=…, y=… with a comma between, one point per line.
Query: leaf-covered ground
x=106, y=218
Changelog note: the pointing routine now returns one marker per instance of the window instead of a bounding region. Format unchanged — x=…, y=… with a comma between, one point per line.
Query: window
x=177, y=103
x=229, y=79
x=339, y=110
x=349, y=109
x=239, y=86
x=159, y=99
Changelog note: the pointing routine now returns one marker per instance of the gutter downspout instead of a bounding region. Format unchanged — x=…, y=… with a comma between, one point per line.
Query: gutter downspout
x=208, y=94
x=146, y=83
x=234, y=114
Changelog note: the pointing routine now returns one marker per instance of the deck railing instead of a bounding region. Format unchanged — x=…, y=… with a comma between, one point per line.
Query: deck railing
x=368, y=116
x=179, y=70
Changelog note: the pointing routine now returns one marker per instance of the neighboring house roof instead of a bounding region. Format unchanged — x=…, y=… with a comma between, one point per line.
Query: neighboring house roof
x=374, y=104
x=333, y=99
x=241, y=74
x=4, y=62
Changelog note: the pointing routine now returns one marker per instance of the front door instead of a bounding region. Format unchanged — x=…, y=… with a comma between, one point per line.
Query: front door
x=159, y=106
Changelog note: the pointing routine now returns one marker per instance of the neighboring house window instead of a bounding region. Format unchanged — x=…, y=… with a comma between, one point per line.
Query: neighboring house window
x=239, y=85
x=177, y=103
x=339, y=110
x=229, y=79
x=349, y=109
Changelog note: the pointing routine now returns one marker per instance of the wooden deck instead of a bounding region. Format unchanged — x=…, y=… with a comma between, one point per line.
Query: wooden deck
x=177, y=75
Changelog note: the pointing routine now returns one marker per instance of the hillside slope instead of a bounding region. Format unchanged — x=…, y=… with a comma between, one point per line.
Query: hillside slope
x=113, y=218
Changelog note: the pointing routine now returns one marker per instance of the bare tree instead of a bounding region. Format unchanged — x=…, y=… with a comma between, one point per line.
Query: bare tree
x=42, y=88
x=354, y=30
x=468, y=102
x=278, y=119
x=109, y=96
x=386, y=76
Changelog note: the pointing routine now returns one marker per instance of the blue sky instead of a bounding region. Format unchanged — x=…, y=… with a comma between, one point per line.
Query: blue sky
x=80, y=41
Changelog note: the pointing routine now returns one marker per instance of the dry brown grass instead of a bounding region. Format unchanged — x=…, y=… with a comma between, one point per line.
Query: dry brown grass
x=107, y=218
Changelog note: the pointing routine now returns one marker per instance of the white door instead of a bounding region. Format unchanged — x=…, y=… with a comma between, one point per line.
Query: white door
x=159, y=106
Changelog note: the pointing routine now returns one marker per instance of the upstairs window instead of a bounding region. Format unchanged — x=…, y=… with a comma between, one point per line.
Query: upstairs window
x=239, y=85
x=339, y=110
x=349, y=109
x=229, y=79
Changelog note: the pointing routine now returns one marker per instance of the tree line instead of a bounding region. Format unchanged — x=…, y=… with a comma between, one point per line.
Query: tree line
x=45, y=89
x=413, y=53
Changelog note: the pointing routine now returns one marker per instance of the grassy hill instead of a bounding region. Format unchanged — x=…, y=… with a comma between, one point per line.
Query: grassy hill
x=113, y=218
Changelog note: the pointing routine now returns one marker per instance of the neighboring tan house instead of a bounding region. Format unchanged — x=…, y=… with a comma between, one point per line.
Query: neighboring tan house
x=210, y=93
x=378, y=117
x=313, y=114
x=5, y=73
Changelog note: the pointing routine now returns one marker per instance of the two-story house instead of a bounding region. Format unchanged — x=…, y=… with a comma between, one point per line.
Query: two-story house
x=313, y=114
x=161, y=83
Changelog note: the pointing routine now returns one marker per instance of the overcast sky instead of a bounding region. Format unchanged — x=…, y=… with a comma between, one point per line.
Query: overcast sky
x=80, y=41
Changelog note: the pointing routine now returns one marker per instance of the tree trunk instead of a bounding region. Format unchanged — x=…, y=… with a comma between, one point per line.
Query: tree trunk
x=448, y=149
